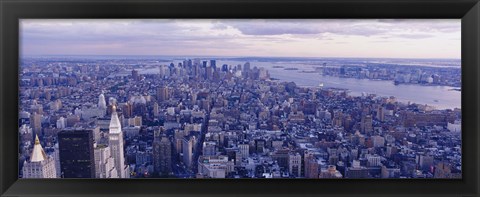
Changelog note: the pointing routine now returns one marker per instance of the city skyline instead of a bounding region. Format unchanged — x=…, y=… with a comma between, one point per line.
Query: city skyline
x=254, y=99
x=322, y=38
x=206, y=118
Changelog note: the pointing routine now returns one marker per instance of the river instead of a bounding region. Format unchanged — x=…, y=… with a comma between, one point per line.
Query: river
x=441, y=97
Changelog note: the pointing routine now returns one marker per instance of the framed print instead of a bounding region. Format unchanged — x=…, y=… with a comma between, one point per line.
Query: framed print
x=377, y=98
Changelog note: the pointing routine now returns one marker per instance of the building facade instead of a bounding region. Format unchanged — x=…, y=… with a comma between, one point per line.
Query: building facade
x=115, y=140
x=76, y=153
x=162, y=154
x=104, y=163
x=40, y=165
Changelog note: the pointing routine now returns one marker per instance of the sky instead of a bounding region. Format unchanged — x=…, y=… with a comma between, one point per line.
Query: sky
x=366, y=38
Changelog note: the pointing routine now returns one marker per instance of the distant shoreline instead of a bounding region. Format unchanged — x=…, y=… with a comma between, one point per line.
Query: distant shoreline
x=238, y=57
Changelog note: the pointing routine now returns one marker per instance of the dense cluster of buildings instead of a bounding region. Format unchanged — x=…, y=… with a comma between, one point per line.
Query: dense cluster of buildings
x=399, y=74
x=197, y=119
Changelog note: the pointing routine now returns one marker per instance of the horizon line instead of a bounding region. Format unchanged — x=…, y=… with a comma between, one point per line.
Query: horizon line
x=223, y=56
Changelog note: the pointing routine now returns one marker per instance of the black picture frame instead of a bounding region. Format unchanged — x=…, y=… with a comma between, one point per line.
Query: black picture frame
x=13, y=10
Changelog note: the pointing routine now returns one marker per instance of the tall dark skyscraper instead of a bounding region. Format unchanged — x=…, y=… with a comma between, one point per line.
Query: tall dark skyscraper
x=213, y=64
x=189, y=63
x=225, y=68
x=246, y=70
x=76, y=153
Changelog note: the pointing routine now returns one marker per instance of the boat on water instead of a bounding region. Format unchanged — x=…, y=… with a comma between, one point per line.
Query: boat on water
x=455, y=89
x=308, y=71
x=290, y=69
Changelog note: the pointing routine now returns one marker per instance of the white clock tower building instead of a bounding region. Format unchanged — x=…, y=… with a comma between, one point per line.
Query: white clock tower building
x=116, y=145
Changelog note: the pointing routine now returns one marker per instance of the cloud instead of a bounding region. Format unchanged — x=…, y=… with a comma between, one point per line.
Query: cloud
x=425, y=25
x=414, y=36
x=344, y=27
x=126, y=34
x=226, y=36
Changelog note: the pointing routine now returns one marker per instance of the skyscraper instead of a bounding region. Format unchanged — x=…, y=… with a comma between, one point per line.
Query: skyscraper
x=311, y=165
x=56, y=157
x=116, y=144
x=259, y=145
x=380, y=113
x=209, y=73
x=178, y=139
x=244, y=150
x=135, y=75
x=162, y=71
x=36, y=123
x=295, y=164
x=162, y=94
x=187, y=150
x=104, y=163
x=162, y=154
x=155, y=110
x=246, y=67
x=246, y=70
x=367, y=126
x=213, y=64
x=61, y=123
x=102, y=104
x=40, y=165
x=225, y=68
x=209, y=148
x=76, y=153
